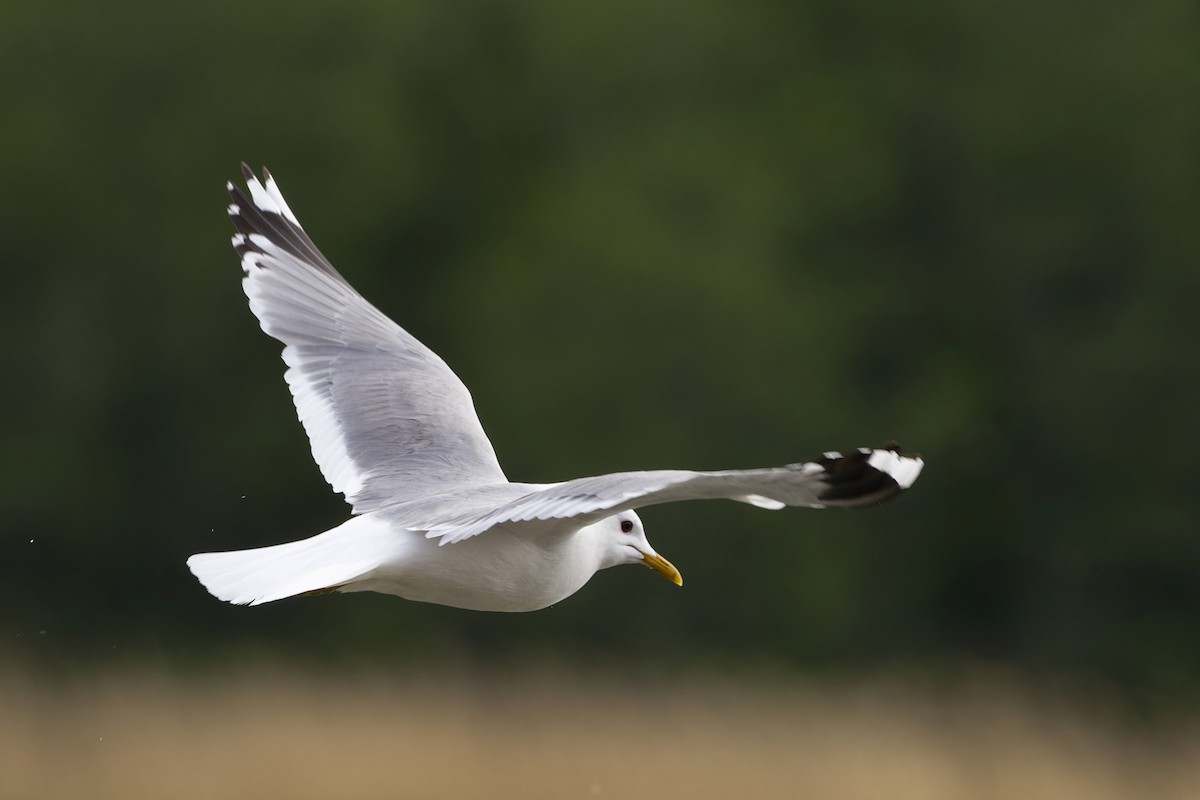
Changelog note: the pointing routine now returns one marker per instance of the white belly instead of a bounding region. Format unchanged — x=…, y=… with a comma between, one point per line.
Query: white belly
x=495, y=571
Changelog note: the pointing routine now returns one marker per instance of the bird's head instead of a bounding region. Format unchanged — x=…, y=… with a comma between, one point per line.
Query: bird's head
x=625, y=541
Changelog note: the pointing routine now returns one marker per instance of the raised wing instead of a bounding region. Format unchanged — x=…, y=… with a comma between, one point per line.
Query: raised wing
x=386, y=418
x=835, y=480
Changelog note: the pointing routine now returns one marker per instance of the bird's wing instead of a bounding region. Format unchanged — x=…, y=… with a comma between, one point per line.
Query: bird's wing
x=858, y=478
x=385, y=416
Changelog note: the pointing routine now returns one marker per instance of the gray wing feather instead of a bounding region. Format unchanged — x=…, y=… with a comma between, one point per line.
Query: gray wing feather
x=590, y=499
x=387, y=419
x=862, y=477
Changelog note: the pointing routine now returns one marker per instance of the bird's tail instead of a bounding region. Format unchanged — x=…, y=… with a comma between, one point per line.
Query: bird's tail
x=325, y=562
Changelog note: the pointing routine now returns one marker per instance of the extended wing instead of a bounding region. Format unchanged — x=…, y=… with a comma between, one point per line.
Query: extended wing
x=386, y=418
x=862, y=477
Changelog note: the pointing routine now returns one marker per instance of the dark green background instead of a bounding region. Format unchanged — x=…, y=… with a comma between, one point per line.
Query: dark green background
x=646, y=234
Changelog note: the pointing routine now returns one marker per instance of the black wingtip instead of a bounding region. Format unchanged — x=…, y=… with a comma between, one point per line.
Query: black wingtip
x=266, y=220
x=867, y=476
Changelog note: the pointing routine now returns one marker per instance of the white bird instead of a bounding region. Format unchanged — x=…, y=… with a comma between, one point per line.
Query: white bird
x=434, y=518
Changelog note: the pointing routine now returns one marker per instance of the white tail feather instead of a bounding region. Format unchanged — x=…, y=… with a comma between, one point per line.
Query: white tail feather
x=325, y=561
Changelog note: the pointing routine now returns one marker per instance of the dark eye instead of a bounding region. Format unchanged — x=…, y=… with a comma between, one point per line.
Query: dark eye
x=626, y=526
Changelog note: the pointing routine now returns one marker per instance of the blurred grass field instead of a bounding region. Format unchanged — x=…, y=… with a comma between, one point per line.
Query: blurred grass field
x=271, y=733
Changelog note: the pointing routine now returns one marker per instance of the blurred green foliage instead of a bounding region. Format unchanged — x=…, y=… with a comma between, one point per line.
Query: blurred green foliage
x=646, y=234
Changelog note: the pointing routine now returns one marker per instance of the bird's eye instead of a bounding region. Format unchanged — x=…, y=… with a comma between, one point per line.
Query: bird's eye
x=626, y=526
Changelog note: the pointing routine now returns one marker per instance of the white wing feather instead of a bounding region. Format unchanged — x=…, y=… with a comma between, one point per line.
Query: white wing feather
x=386, y=418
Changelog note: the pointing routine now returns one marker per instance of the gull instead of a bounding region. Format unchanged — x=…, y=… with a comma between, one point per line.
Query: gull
x=434, y=519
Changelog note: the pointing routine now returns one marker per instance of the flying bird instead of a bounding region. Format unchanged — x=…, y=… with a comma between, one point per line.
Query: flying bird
x=434, y=518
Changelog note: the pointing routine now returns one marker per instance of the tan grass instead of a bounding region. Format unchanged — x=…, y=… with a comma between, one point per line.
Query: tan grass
x=268, y=734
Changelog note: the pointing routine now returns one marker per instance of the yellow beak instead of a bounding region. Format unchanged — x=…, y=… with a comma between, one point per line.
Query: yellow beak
x=663, y=567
